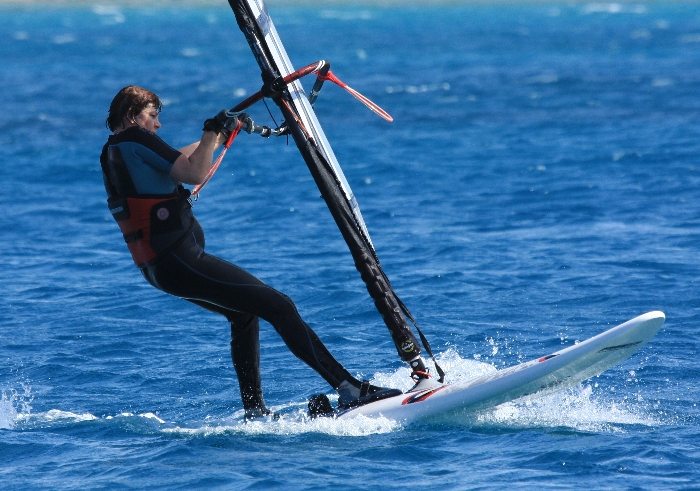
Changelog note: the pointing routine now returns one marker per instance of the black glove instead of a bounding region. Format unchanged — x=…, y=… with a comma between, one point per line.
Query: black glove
x=247, y=122
x=224, y=122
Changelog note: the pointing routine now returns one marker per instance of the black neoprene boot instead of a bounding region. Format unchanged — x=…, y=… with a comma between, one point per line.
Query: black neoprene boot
x=353, y=393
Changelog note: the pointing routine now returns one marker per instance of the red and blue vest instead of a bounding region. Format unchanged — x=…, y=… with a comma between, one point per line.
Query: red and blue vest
x=152, y=225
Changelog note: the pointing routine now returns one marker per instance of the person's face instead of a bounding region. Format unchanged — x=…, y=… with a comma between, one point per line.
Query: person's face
x=148, y=119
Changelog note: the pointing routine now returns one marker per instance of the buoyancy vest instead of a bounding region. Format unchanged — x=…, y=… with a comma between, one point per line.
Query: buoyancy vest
x=152, y=225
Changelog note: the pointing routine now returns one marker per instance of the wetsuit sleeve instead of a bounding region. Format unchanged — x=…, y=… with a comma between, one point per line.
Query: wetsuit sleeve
x=155, y=152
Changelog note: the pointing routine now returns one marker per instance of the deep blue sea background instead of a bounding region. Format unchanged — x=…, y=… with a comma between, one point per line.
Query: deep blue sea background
x=540, y=184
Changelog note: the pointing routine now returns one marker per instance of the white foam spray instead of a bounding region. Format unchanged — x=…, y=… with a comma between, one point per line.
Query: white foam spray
x=14, y=404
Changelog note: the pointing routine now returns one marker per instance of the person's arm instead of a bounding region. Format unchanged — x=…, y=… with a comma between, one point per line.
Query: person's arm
x=189, y=148
x=192, y=166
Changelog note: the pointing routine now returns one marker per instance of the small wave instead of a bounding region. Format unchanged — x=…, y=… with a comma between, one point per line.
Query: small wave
x=614, y=8
x=350, y=15
x=545, y=78
x=151, y=416
x=690, y=39
x=661, y=82
x=296, y=423
x=67, y=38
x=53, y=416
x=641, y=34
x=190, y=52
x=419, y=89
x=25, y=419
x=579, y=408
x=112, y=13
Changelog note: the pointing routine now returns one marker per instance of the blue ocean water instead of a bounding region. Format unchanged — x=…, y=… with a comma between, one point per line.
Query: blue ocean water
x=539, y=185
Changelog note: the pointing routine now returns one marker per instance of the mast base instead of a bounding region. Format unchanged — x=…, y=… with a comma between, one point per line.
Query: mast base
x=418, y=369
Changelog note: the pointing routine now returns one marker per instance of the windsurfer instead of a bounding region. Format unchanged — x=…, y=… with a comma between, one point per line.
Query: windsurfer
x=143, y=176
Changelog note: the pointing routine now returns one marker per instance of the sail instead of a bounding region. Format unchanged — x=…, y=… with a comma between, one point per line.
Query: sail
x=253, y=19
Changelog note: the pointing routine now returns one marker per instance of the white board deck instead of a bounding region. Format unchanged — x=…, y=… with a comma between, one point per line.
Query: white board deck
x=564, y=368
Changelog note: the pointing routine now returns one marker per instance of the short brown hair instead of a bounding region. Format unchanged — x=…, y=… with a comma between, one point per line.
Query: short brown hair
x=128, y=103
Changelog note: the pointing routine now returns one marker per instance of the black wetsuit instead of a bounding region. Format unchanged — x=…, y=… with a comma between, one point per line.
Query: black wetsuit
x=167, y=243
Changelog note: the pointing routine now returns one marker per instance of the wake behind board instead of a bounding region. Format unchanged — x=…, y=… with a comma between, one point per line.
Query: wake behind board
x=559, y=370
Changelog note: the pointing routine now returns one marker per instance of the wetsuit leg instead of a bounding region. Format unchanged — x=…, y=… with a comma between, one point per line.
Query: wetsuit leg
x=245, y=355
x=190, y=273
